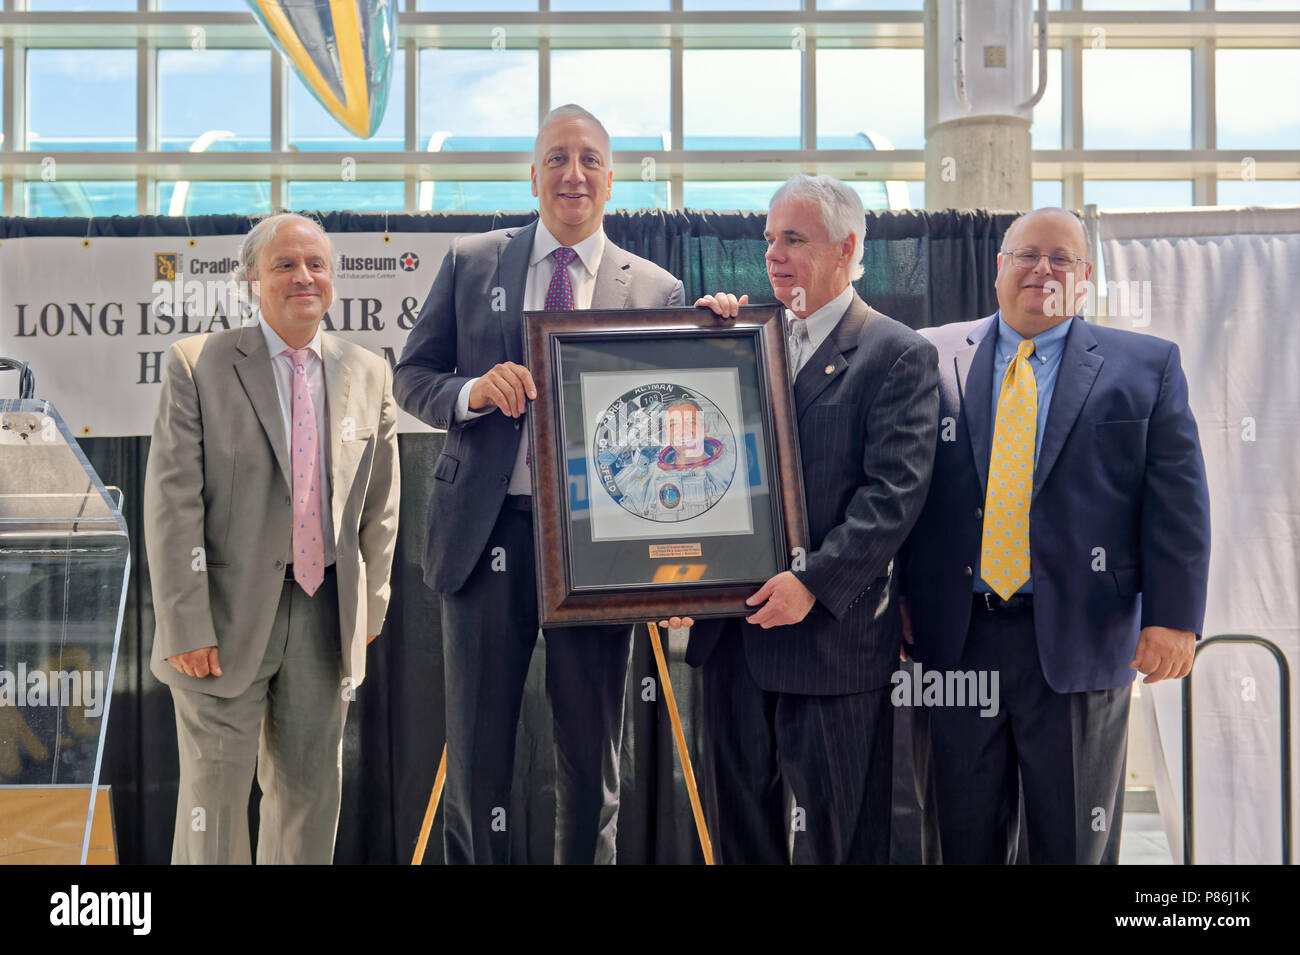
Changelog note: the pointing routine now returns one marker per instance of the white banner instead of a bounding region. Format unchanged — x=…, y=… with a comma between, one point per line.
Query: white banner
x=95, y=317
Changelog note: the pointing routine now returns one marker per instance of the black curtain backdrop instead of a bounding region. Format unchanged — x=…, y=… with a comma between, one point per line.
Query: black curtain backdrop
x=922, y=268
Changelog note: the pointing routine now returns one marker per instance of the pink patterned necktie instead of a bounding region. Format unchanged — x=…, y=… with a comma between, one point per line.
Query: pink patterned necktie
x=308, y=533
x=559, y=296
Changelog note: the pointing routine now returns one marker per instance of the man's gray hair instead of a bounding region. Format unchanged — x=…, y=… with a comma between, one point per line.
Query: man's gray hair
x=572, y=111
x=841, y=209
x=261, y=235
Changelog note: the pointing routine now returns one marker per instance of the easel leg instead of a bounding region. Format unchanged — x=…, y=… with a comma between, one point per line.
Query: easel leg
x=434, y=797
x=680, y=737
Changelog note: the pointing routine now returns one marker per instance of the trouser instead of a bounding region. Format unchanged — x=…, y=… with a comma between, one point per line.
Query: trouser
x=287, y=726
x=489, y=632
x=834, y=753
x=1065, y=751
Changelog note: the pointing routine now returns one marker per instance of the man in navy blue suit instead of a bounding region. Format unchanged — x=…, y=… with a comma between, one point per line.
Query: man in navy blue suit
x=1117, y=554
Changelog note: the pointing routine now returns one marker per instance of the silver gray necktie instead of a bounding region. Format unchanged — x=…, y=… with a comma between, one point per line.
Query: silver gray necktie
x=799, y=345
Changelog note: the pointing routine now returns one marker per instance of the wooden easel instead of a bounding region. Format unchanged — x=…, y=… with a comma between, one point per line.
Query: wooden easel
x=439, y=780
x=700, y=827
x=678, y=735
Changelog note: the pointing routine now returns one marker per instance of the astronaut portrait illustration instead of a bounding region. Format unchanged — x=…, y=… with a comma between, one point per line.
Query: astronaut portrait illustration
x=665, y=453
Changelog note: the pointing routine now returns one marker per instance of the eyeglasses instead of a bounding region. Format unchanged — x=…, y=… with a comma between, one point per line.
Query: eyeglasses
x=1060, y=261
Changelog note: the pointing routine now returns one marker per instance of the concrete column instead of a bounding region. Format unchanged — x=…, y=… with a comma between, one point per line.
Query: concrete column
x=983, y=162
x=974, y=162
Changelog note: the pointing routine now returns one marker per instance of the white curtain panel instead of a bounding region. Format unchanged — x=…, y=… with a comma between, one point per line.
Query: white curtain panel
x=1223, y=286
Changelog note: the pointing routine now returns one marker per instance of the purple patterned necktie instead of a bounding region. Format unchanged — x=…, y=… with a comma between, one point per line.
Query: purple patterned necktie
x=308, y=531
x=559, y=296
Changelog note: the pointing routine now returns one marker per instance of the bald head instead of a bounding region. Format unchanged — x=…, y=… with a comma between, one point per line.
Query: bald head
x=568, y=113
x=1061, y=218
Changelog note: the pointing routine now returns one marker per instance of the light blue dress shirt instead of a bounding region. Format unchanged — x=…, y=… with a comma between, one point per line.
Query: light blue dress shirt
x=1049, y=346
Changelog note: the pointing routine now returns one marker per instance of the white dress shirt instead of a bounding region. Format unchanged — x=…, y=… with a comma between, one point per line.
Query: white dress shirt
x=541, y=268
x=282, y=371
x=823, y=321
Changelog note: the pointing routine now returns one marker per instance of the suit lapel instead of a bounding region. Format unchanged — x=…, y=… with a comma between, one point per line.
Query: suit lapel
x=512, y=276
x=1080, y=365
x=975, y=384
x=337, y=381
x=829, y=361
x=254, y=371
x=612, y=287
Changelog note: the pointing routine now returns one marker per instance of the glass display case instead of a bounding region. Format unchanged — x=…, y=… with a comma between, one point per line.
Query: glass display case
x=64, y=563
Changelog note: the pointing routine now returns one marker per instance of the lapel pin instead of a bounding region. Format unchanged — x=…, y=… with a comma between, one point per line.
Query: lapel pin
x=830, y=369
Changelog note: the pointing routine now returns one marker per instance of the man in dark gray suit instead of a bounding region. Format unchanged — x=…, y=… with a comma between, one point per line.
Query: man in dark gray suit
x=798, y=692
x=461, y=371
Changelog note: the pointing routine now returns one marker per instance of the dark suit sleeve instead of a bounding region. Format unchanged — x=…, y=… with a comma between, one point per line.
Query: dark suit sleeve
x=902, y=427
x=425, y=382
x=1175, y=528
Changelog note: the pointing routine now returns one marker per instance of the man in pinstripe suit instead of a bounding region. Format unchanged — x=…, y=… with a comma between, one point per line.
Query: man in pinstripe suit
x=796, y=695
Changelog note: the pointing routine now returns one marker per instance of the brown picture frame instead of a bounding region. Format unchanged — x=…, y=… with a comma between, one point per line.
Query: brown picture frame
x=668, y=331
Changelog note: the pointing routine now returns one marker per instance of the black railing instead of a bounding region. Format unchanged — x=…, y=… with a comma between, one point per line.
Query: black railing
x=1284, y=711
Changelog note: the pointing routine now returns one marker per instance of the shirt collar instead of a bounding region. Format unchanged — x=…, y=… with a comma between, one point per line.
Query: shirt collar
x=275, y=344
x=589, y=249
x=822, y=321
x=1047, y=345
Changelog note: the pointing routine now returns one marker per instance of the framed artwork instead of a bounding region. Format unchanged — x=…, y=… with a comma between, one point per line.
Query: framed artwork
x=665, y=461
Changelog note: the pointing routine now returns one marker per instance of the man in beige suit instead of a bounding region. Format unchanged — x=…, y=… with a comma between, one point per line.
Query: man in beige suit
x=270, y=518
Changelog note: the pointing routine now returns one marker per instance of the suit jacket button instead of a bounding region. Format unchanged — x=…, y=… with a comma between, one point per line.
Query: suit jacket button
x=516, y=425
x=967, y=572
x=279, y=565
x=288, y=499
x=979, y=512
x=505, y=479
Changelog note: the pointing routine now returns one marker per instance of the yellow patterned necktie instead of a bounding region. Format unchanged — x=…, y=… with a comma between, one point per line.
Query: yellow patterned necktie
x=1004, y=563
